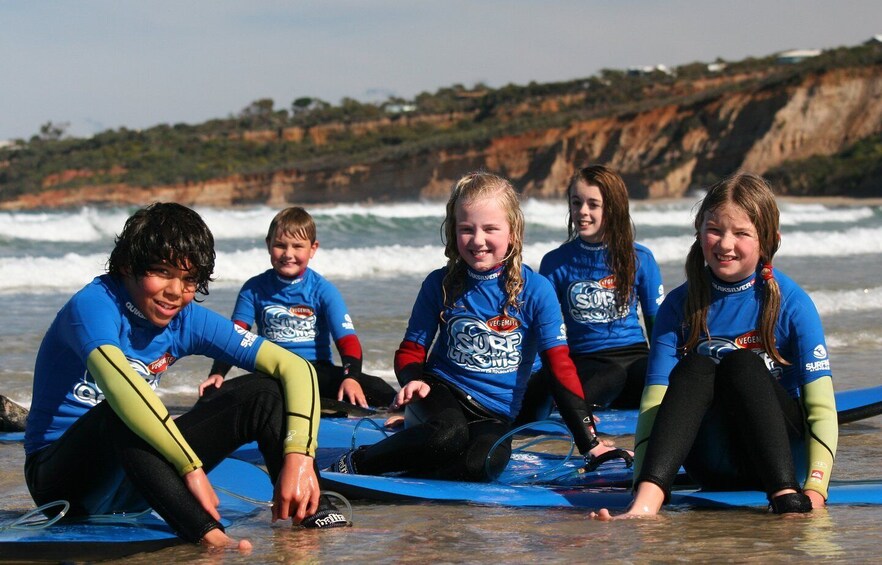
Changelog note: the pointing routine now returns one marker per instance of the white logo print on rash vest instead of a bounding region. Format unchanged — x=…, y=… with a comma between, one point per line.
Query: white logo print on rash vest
x=717, y=348
x=594, y=302
x=489, y=347
x=286, y=325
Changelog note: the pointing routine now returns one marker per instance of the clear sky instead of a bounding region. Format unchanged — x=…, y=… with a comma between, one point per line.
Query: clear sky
x=103, y=64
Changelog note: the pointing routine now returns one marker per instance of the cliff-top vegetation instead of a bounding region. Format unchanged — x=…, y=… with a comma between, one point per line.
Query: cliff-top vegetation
x=311, y=134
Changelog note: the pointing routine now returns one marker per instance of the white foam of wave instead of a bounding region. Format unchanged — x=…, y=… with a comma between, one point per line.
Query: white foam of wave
x=419, y=209
x=795, y=213
x=91, y=224
x=86, y=224
x=862, y=339
x=36, y=274
x=49, y=274
x=369, y=262
x=854, y=300
x=827, y=243
x=681, y=213
x=854, y=241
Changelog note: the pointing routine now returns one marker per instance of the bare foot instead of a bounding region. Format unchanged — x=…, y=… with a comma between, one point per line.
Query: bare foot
x=603, y=515
x=217, y=540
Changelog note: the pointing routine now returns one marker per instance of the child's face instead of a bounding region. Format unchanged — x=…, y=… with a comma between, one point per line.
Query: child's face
x=729, y=242
x=586, y=210
x=482, y=233
x=162, y=292
x=290, y=254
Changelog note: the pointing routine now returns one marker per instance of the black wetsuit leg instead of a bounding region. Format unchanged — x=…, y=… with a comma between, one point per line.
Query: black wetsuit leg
x=537, y=403
x=688, y=398
x=746, y=422
x=377, y=392
x=440, y=435
x=100, y=447
x=764, y=419
x=602, y=380
x=611, y=378
x=614, y=377
x=449, y=436
x=82, y=467
x=635, y=365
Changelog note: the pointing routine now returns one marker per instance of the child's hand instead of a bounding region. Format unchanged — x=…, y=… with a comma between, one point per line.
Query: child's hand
x=414, y=390
x=197, y=483
x=213, y=380
x=351, y=392
x=296, y=492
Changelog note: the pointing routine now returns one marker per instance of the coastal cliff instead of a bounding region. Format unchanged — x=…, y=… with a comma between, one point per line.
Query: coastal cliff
x=684, y=137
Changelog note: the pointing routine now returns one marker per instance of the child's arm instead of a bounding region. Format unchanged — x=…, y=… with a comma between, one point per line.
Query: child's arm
x=140, y=409
x=296, y=492
x=138, y=406
x=350, y=354
x=649, y=403
x=409, y=360
x=822, y=437
x=567, y=392
x=301, y=395
x=650, y=290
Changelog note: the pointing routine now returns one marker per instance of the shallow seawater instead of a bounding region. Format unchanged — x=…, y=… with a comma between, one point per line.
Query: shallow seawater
x=452, y=533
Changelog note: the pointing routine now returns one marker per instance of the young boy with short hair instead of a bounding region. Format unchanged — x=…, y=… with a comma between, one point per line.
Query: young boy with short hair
x=298, y=309
x=99, y=437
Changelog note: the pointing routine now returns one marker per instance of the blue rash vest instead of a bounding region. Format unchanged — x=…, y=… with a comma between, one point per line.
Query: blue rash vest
x=102, y=313
x=585, y=288
x=733, y=322
x=302, y=315
x=478, y=348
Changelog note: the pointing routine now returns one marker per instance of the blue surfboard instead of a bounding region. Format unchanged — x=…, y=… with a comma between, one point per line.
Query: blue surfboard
x=339, y=434
x=499, y=494
x=110, y=537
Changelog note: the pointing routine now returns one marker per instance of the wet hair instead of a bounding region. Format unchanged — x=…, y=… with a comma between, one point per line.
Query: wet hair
x=753, y=195
x=618, y=229
x=164, y=233
x=470, y=188
x=294, y=221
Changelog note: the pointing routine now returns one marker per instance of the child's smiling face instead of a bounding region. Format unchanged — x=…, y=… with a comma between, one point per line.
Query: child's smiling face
x=729, y=243
x=162, y=292
x=483, y=234
x=586, y=211
x=290, y=254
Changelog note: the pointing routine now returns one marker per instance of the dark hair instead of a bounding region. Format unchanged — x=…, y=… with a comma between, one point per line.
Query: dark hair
x=164, y=233
x=294, y=221
x=618, y=229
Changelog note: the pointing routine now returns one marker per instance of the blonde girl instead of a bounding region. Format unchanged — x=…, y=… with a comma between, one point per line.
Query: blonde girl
x=474, y=331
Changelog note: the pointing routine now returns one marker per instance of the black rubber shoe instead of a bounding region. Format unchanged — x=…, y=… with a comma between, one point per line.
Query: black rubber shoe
x=344, y=464
x=327, y=516
x=791, y=503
